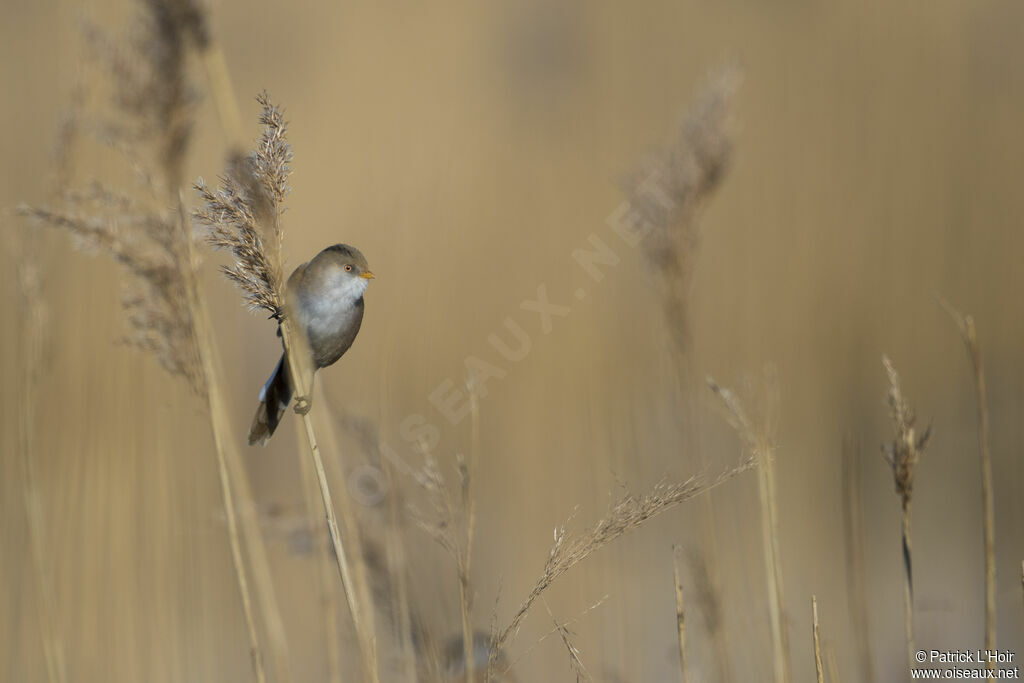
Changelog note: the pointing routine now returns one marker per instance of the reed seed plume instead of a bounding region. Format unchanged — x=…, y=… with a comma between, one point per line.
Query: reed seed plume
x=148, y=121
x=273, y=155
x=229, y=213
x=670, y=188
x=903, y=455
x=159, y=317
x=245, y=206
x=627, y=514
x=149, y=84
x=145, y=241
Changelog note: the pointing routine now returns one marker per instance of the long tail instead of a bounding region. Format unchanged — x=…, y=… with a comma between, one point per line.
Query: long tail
x=274, y=399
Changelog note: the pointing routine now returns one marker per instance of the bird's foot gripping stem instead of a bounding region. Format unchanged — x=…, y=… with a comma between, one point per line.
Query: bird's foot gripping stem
x=303, y=405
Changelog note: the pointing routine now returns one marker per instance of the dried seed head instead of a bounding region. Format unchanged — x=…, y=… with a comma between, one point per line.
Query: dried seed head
x=245, y=206
x=148, y=121
x=670, y=187
x=907, y=445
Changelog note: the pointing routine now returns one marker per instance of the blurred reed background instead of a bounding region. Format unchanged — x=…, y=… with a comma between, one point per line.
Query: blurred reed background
x=467, y=149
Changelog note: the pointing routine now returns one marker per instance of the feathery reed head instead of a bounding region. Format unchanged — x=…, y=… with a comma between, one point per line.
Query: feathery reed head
x=148, y=121
x=758, y=432
x=149, y=86
x=248, y=202
x=905, y=450
x=273, y=155
x=145, y=244
x=670, y=187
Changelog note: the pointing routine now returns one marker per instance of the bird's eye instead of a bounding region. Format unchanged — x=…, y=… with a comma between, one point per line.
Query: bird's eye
x=348, y=268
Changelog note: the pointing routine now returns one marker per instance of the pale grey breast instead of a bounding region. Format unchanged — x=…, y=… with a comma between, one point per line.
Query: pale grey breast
x=332, y=320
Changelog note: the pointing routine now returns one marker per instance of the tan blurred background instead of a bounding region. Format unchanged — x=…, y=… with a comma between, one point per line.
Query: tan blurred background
x=467, y=149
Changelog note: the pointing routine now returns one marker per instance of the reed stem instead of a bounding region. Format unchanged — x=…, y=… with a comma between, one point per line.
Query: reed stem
x=680, y=620
x=908, y=585
x=770, y=538
x=965, y=324
x=220, y=425
x=322, y=557
x=818, y=669
x=362, y=618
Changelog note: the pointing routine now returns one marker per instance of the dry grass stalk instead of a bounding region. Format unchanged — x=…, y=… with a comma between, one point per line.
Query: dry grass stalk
x=390, y=583
x=627, y=514
x=503, y=668
x=903, y=455
x=221, y=430
x=450, y=524
x=323, y=560
x=575, y=662
x=399, y=584
x=247, y=206
x=144, y=230
x=853, y=539
x=965, y=324
x=670, y=188
x=759, y=438
x=33, y=323
x=358, y=562
x=248, y=521
x=467, y=471
x=452, y=520
x=680, y=612
x=818, y=669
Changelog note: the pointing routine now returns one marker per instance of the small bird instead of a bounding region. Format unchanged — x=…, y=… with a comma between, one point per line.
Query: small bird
x=325, y=299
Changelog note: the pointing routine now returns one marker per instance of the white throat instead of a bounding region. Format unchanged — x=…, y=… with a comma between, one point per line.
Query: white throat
x=341, y=295
x=330, y=312
x=350, y=289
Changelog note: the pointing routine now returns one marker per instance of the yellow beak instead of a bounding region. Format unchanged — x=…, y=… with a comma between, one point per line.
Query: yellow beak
x=367, y=275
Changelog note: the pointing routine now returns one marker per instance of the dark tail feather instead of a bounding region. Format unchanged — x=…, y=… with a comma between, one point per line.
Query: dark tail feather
x=274, y=399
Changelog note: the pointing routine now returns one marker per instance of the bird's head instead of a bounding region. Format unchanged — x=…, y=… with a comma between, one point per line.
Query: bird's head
x=345, y=267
